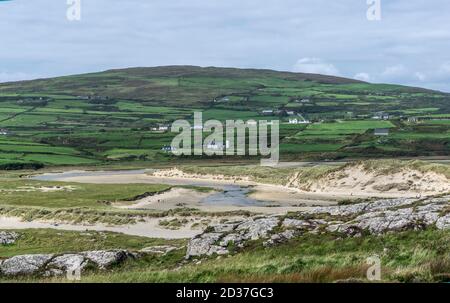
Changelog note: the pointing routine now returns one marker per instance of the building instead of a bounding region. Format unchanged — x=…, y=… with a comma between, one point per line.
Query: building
x=267, y=112
x=381, y=116
x=299, y=120
x=4, y=132
x=168, y=149
x=381, y=132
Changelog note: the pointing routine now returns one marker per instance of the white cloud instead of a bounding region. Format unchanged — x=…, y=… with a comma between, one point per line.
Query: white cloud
x=395, y=71
x=362, y=76
x=420, y=76
x=445, y=68
x=315, y=66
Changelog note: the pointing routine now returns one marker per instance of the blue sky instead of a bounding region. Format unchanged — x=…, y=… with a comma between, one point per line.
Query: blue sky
x=410, y=45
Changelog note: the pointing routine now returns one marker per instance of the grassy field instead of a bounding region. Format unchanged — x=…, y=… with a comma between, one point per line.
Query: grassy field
x=101, y=118
x=405, y=257
x=49, y=241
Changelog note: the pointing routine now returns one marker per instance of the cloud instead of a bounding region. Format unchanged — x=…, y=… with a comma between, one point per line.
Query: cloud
x=395, y=71
x=332, y=37
x=420, y=76
x=362, y=76
x=315, y=66
x=444, y=69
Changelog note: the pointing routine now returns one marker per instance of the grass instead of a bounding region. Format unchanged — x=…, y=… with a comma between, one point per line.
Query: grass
x=114, y=125
x=26, y=193
x=405, y=257
x=49, y=241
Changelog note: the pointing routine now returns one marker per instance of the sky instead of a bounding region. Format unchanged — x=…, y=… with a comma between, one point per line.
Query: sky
x=410, y=45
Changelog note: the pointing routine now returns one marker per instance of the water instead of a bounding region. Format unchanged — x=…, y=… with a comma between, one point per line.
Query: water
x=232, y=195
x=229, y=194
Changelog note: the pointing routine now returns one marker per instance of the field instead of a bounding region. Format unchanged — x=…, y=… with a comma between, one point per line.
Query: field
x=407, y=257
x=110, y=117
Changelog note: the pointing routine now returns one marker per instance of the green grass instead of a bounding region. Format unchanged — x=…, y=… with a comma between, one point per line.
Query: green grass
x=14, y=193
x=405, y=257
x=50, y=241
x=68, y=130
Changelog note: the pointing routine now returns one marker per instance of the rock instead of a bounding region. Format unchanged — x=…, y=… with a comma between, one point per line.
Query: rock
x=280, y=238
x=378, y=217
x=50, y=265
x=258, y=228
x=203, y=245
x=224, y=228
x=7, y=237
x=365, y=207
x=217, y=242
x=107, y=258
x=443, y=222
x=235, y=239
x=66, y=263
x=24, y=265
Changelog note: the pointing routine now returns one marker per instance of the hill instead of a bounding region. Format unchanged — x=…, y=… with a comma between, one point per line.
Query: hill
x=111, y=116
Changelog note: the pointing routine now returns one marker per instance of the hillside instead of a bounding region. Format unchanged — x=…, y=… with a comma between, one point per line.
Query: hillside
x=110, y=116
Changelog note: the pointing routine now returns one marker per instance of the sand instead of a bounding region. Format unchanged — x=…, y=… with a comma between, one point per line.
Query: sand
x=357, y=181
x=150, y=228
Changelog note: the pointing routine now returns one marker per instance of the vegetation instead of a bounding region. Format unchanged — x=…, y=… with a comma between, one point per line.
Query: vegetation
x=49, y=241
x=405, y=257
x=114, y=116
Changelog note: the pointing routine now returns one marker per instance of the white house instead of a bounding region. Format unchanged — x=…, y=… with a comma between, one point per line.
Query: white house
x=168, y=148
x=299, y=120
x=381, y=132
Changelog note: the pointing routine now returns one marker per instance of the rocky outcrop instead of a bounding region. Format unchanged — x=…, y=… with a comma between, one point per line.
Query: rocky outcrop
x=377, y=217
x=24, y=265
x=8, y=237
x=56, y=265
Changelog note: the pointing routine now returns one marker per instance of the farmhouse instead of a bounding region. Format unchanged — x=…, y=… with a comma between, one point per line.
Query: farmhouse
x=381, y=116
x=168, y=148
x=381, y=132
x=4, y=132
x=299, y=120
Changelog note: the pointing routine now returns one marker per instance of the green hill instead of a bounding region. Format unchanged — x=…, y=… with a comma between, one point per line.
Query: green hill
x=109, y=116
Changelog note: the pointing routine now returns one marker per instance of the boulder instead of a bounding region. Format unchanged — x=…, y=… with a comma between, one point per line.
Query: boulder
x=24, y=265
x=8, y=237
x=107, y=258
x=203, y=245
